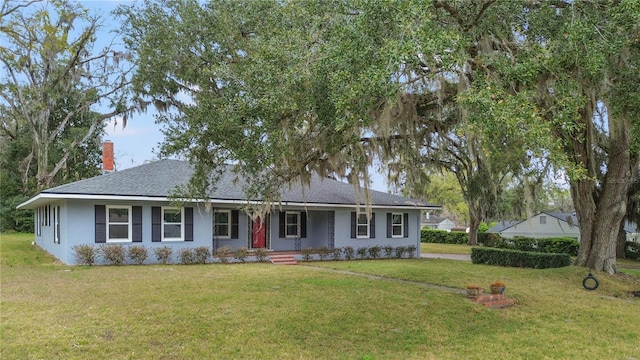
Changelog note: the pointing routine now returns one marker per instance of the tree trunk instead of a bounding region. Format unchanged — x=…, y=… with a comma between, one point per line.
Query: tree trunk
x=474, y=224
x=600, y=213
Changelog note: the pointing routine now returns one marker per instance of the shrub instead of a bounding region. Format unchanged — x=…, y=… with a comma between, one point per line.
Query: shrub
x=411, y=251
x=348, y=252
x=137, y=254
x=443, y=236
x=306, y=253
x=241, y=254
x=400, y=250
x=516, y=258
x=261, y=254
x=362, y=252
x=335, y=252
x=115, y=254
x=223, y=253
x=564, y=245
x=374, y=252
x=632, y=250
x=187, y=256
x=388, y=251
x=323, y=252
x=201, y=254
x=163, y=254
x=489, y=239
x=85, y=254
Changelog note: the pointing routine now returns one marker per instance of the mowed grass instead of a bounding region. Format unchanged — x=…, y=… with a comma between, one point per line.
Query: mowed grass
x=263, y=311
x=445, y=248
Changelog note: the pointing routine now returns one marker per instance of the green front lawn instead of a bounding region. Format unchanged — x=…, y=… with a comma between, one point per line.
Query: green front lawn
x=265, y=311
x=445, y=248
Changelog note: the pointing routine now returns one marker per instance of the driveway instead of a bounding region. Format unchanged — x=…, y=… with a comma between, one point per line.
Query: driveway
x=446, y=256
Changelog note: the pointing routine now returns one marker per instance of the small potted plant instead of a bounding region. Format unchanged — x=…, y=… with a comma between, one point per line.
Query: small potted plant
x=497, y=287
x=474, y=290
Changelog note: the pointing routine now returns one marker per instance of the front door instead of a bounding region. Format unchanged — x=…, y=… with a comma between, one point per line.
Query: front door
x=258, y=233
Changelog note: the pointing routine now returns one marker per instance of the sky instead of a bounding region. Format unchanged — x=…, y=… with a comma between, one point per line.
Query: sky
x=139, y=141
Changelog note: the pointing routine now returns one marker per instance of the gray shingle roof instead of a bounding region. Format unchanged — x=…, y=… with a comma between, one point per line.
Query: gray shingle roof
x=160, y=179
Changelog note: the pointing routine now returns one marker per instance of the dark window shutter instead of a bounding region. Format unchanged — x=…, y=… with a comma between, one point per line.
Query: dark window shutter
x=303, y=224
x=188, y=224
x=354, y=224
x=282, y=217
x=235, y=215
x=156, y=224
x=389, y=226
x=372, y=226
x=101, y=226
x=405, y=223
x=136, y=217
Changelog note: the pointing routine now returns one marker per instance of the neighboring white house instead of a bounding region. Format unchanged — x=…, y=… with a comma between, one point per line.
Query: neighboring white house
x=542, y=225
x=550, y=224
x=435, y=222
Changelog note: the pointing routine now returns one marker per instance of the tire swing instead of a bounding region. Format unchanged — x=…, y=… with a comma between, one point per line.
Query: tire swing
x=590, y=282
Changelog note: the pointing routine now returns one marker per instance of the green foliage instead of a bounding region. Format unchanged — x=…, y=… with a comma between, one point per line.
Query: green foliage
x=411, y=251
x=400, y=251
x=388, y=251
x=349, y=252
x=443, y=236
x=137, y=254
x=489, y=239
x=163, y=254
x=632, y=250
x=241, y=254
x=516, y=258
x=546, y=245
x=85, y=254
x=336, y=253
x=374, y=252
x=323, y=252
x=261, y=254
x=114, y=254
x=187, y=256
x=201, y=254
x=362, y=252
x=223, y=254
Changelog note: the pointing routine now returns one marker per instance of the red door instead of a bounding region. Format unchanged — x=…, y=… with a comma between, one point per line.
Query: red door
x=258, y=234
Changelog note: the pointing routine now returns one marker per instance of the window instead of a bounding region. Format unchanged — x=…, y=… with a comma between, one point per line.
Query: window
x=362, y=230
x=222, y=223
x=543, y=219
x=397, y=225
x=118, y=223
x=172, y=220
x=39, y=221
x=292, y=224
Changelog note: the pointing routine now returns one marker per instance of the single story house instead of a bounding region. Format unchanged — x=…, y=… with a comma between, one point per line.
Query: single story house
x=133, y=207
x=550, y=224
x=436, y=222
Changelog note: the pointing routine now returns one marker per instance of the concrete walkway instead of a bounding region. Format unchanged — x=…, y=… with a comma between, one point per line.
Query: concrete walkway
x=446, y=256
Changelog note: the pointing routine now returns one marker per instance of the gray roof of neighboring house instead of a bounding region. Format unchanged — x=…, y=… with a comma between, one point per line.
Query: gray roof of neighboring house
x=501, y=225
x=433, y=220
x=160, y=178
x=569, y=218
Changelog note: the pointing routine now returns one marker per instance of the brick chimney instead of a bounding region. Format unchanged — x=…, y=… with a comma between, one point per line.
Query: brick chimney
x=107, y=157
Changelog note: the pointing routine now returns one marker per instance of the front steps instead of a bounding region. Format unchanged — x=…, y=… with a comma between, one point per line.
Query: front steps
x=494, y=301
x=283, y=259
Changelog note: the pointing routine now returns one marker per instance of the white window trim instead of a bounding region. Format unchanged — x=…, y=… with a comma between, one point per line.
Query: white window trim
x=228, y=223
x=368, y=225
x=129, y=223
x=181, y=238
x=394, y=225
x=56, y=224
x=286, y=224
